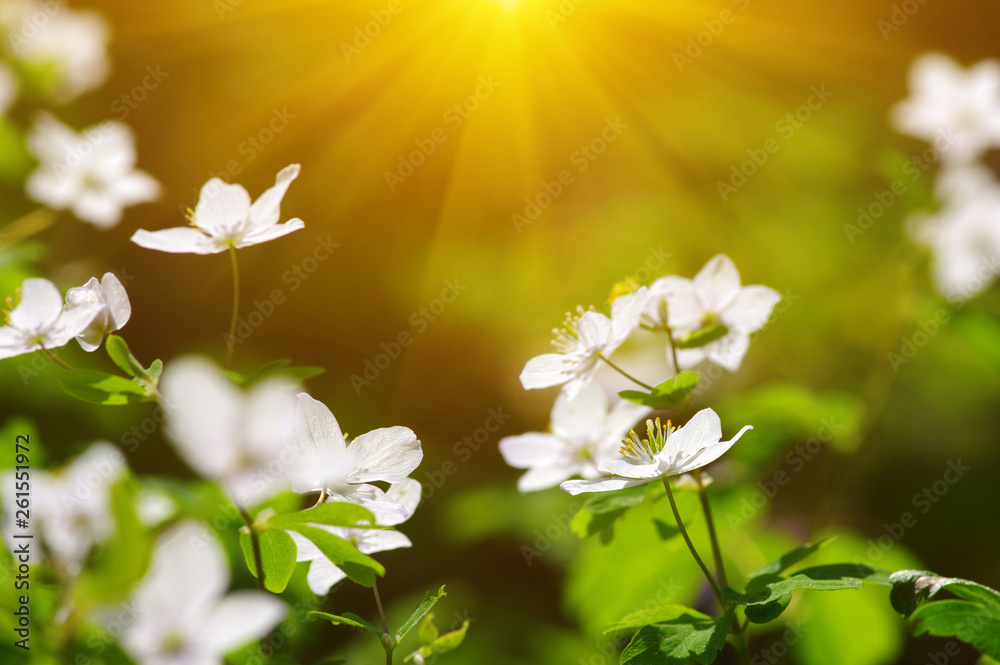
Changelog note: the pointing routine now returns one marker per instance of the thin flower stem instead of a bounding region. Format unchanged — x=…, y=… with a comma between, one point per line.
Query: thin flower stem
x=673, y=349
x=231, y=340
x=687, y=539
x=56, y=358
x=625, y=374
x=720, y=569
x=385, y=625
x=27, y=226
x=265, y=643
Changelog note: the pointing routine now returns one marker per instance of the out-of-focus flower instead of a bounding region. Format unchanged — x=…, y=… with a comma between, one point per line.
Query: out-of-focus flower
x=345, y=471
x=955, y=108
x=714, y=297
x=666, y=452
x=183, y=615
x=584, y=432
x=114, y=308
x=580, y=346
x=73, y=43
x=224, y=218
x=323, y=574
x=39, y=320
x=240, y=438
x=92, y=174
x=964, y=236
x=70, y=509
x=8, y=88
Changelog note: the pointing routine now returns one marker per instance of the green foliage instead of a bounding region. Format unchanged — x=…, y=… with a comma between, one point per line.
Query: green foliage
x=667, y=395
x=974, y=619
x=122, y=356
x=702, y=336
x=432, y=643
x=689, y=635
x=107, y=389
x=359, y=567
x=352, y=620
x=789, y=559
x=831, y=577
x=282, y=368
x=331, y=513
x=277, y=554
x=422, y=609
x=658, y=614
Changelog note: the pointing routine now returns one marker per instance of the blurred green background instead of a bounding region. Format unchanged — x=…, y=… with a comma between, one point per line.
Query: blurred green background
x=234, y=71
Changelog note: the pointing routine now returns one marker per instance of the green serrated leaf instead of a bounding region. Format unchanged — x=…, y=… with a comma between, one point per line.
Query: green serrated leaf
x=277, y=554
x=703, y=336
x=910, y=587
x=422, y=609
x=361, y=568
x=100, y=388
x=120, y=354
x=690, y=635
x=660, y=614
x=789, y=559
x=831, y=577
x=970, y=622
x=669, y=394
x=352, y=620
x=333, y=513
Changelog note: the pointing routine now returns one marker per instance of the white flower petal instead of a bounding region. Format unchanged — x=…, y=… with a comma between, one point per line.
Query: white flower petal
x=710, y=453
x=266, y=210
x=543, y=477
x=729, y=351
x=407, y=494
x=382, y=541
x=223, y=210
x=40, y=306
x=684, y=311
x=717, y=283
x=750, y=309
x=322, y=575
x=316, y=427
x=704, y=429
x=388, y=454
x=240, y=618
x=550, y=369
x=179, y=240
x=116, y=299
x=524, y=451
x=577, y=419
x=257, y=236
x=629, y=468
x=575, y=487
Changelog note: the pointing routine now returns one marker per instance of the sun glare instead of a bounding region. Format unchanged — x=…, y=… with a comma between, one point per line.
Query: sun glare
x=508, y=5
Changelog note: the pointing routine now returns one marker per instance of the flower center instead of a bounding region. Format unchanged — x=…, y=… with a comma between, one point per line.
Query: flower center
x=566, y=338
x=644, y=450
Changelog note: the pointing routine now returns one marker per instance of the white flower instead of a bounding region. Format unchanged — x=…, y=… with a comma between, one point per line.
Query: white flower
x=74, y=43
x=345, y=471
x=964, y=236
x=714, y=296
x=957, y=109
x=114, y=308
x=584, y=432
x=582, y=343
x=92, y=174
x=8, y=88
x=223, y=433
x=40, y=321
x=323, y=574
x=666, y=452
x=183, y=615
x=70, y=509
x=224, y=218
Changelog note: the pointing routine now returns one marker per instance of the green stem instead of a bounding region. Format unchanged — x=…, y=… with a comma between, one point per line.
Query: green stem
x=625, y=374
x=673, y=349
x=386, y=638
x=54, y=357
x=687, y=539
x=258, y=561
x=720, y=569
x=231, y=340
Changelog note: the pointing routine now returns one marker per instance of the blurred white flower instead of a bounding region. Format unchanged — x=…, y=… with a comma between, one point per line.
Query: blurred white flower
x=40, y=321
x=48, y=34
x=323, y=574
x=582, y=343
x=226, y=434
x=183, y=615
x=584, y=432
x=114, y=308
x=665, y=452
x=345, y=471
x=92, y=173
x=713, y=297
x=8, y=88
x=964, y=236
x=224, y=218
x=956, y=108
x=70, y=508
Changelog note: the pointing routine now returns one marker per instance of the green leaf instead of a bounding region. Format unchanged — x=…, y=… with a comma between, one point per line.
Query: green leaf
x=451, y=640
x=428, y=631
x=100, y=388
x=970, y=622
x=422, y=609
x=155, y=369
x=831, y=577
x=606, y=502
x=277, y=554
x=120, y=354
x=361, y=568
x=660, y=614
x=771, y=610
x=910, y=587
x=667, y=395
x=282, y=367
x=333, y=513
x=673, y=642
x=352, y=620
x=702, y=336
x=789, y=559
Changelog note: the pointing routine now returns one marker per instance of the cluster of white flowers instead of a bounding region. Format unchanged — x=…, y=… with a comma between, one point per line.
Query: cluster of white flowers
x=958, y=111
x=41, y=321
x=587, y=433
